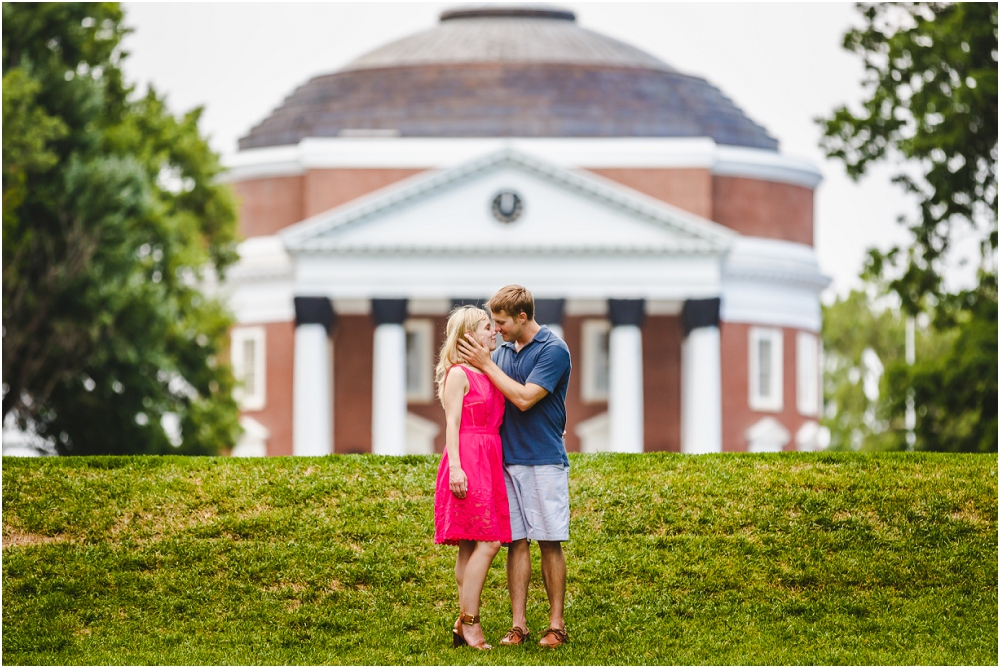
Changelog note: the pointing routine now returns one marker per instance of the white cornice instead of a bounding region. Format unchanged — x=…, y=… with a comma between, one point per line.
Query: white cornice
x=765, y=166
x=818, y=282
x=239, y=275
x=770, y=282
x=572, y=153
x=264, y=163
x=261, y=259
x=332, y=248
x=775, y=261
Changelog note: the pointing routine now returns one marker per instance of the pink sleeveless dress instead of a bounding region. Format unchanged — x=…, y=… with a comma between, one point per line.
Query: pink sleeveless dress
x=483, y=514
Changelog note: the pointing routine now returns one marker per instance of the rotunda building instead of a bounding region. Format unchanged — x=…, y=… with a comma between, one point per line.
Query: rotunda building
x=663, y=234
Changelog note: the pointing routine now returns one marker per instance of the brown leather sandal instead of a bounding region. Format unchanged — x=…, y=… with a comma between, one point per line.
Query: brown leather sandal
x=558, y=637
x=516, y=636
x=458, y=635
x=457, y=639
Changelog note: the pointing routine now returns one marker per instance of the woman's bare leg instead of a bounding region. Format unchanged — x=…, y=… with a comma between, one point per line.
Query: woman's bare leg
x=474, y=577
x=465, y=548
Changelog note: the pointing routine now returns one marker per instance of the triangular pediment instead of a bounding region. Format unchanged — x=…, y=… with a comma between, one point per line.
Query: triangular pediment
x=560, y=211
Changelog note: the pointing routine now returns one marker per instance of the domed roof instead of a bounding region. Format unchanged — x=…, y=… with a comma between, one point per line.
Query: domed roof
x=496, y=35
x=508, y=72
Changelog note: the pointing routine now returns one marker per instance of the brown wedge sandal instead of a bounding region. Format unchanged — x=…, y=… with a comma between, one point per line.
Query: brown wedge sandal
x=457, y=639
x=516, y=636
x=458, y=635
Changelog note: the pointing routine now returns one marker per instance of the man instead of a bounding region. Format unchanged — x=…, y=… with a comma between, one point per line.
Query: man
x=532, y=370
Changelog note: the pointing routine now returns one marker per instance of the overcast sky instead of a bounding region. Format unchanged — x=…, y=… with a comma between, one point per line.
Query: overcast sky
x=781, y=63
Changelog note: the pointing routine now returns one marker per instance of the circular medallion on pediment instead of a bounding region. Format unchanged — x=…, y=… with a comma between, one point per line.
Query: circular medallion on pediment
x=507, y=206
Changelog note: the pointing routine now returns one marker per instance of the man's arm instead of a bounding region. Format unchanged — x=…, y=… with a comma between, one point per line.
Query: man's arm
x=478, y=355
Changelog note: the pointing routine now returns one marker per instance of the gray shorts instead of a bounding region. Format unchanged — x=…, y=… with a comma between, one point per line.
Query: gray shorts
x=539, y=501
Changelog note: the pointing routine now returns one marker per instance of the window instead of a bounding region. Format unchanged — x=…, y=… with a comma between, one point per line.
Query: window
x=807, y=383
x=248, y=367
x=419, y=361
x=596, y=368
x=766, y=387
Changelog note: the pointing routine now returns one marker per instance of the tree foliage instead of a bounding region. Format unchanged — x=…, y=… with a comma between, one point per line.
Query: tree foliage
x=858, y=341
x=931, y=91
x=112, y=220
x=954, y=383
x=864, y=365
x=931, y=103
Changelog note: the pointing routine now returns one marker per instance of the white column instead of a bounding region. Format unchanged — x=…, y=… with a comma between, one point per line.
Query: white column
x=625, y=396
x=312, y=398
x=389, y=378
x=625, y=389
x=701, y=392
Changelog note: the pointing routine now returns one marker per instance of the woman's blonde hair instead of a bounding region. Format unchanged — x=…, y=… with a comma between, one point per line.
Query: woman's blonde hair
x=461, y=320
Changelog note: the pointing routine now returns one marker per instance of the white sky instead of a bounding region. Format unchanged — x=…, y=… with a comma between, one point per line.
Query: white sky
x=781, y=63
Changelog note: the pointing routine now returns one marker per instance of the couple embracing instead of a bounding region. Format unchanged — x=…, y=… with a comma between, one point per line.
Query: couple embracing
x=504, y=475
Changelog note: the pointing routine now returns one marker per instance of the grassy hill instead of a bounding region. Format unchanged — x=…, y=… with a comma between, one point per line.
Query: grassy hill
x=719, y=559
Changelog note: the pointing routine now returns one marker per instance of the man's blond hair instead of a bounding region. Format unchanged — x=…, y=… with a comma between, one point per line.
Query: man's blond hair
x=513, y=300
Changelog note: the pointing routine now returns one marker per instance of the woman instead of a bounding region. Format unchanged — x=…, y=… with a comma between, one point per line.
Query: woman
x=470, y=505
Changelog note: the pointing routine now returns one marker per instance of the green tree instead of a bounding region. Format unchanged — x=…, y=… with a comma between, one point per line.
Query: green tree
x=954, y=383
x=863, y=352
x=931, y=101
x=112, y=220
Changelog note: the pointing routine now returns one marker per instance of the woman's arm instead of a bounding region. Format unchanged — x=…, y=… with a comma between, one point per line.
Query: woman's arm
x=455, y=388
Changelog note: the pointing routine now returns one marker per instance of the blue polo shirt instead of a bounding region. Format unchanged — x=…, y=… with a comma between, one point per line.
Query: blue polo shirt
x=534, y=437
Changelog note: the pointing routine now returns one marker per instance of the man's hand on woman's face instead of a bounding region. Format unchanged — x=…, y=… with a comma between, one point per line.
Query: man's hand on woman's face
x=473, y=352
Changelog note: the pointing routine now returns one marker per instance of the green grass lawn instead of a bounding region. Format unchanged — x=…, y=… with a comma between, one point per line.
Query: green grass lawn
x=718, y=559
